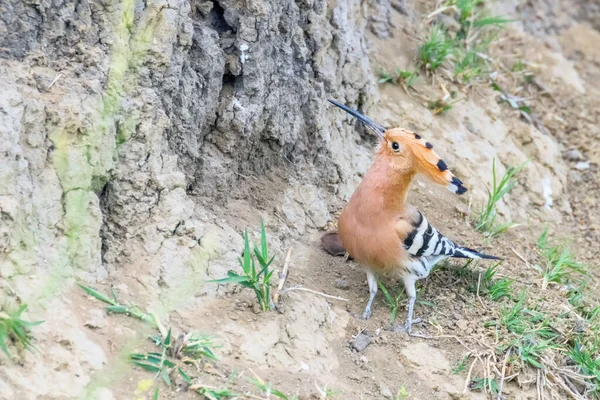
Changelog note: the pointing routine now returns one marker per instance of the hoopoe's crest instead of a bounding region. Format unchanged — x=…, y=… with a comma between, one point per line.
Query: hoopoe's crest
x=409, y=153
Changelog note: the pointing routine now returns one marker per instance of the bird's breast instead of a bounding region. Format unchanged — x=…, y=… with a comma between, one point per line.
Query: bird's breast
x=371, y=238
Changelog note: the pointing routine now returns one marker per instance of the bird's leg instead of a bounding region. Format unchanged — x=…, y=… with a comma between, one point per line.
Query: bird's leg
x=373, y=291
x=409, y=319
x=411, y=291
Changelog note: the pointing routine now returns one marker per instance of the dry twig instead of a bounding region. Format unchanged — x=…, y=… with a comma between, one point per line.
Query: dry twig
x=468, y=380
x=315, y=292
x=501, y=386
x=522, y=258
x=283, y=276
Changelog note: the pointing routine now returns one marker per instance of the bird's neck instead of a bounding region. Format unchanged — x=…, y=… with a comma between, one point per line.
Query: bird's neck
x=388, y=184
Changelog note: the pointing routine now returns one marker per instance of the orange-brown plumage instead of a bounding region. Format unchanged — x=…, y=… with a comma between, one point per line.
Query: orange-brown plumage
x=367, y=224
x=379, y=229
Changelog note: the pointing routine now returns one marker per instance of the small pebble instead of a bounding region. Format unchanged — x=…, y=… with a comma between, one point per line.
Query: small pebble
x=574, y=155
x=582, y=165
x=341, y=284
x=385, y=391
x=360, y=342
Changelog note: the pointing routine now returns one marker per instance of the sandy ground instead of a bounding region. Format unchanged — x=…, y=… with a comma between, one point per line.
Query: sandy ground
x=315, y=342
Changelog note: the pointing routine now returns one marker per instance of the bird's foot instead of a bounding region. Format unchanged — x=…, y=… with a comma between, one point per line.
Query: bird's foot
x=406, y=327
x=367, y=313
x=364, y=316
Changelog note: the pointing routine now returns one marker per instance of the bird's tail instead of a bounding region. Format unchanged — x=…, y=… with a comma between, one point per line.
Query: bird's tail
x=465, y=252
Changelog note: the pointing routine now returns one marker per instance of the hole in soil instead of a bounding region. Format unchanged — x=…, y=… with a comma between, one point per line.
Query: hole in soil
x=228, y=79
x=216, y=19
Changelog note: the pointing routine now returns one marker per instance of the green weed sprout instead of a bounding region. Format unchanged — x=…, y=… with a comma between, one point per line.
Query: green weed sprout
x=560, y=262
x=401, y=76
x=436, y=49
x=116, y=307
x=486, y=221
x=156, y=362
x=393, y=302
x=496, y=288
x=13, y=328
x=255, y=277
x=485, y=385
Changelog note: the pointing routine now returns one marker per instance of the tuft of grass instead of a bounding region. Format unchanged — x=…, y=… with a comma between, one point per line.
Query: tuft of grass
x=115, y=306
x=436, y=49
x=255, y=277
x=486, y=221
x=560, y=262
x=402, y=393
x=400, y=77
x=530, y=349
x=174, y=354
x=440, y=106
x=467, y=48
x=157, y=363
x=496, y=288
x=460, y=367
x=587, y=360
x=393, y=302
x=16, y=330
x=521, y=320
x=190, y=347
x=469, y=66
x=485, y=385
x=512, y=317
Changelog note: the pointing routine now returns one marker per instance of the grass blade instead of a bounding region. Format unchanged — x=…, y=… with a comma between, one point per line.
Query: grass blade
x=185, y=376
x=147, y=367
x=165, y=376
x=497, y=21
x=96, y=294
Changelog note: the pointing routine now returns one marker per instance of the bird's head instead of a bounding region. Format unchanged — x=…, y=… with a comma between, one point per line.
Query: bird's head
x=408, y=152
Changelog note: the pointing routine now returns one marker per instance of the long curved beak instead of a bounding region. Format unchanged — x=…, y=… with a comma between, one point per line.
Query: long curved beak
x=378, y=129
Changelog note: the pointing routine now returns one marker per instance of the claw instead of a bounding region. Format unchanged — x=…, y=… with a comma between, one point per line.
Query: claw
x=367, y=313
x=402, y=328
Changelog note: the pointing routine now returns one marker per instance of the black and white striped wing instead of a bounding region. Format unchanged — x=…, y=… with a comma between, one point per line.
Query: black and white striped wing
x=425, y=241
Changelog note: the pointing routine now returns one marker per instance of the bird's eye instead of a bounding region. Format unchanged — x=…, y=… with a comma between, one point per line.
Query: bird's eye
x=395, y=146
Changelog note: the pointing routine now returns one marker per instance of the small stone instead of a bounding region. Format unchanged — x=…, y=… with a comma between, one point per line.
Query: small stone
x=341, y=284
x=385, y=391
x=360, y=342
x=582, y=165
x=332, y=244
x=574, y=155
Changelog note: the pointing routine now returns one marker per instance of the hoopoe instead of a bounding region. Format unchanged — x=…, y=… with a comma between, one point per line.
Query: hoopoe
x=380, y=230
